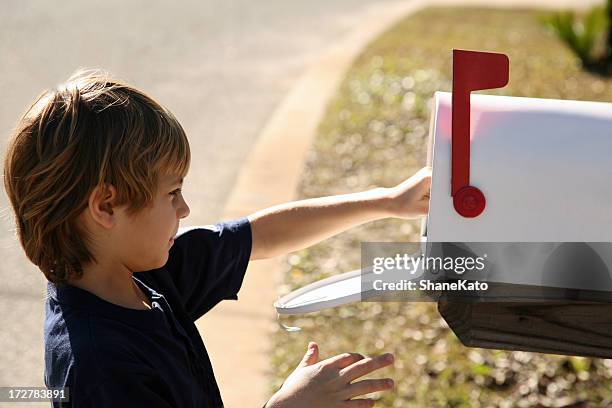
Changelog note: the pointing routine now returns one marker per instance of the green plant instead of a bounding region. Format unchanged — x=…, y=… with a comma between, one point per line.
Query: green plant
x=608, y=55
x=589, y=36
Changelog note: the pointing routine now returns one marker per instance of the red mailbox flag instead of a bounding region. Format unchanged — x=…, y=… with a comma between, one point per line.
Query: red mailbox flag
x=472, y=71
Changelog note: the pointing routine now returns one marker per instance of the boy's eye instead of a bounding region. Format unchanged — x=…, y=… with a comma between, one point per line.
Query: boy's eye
x=175, y=192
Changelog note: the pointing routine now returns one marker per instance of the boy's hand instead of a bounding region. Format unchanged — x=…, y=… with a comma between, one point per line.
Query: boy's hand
x=410, y=199
x=331, y=383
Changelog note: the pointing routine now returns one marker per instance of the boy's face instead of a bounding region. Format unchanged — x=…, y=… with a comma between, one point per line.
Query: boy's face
x=140, y=242
x=148, y=236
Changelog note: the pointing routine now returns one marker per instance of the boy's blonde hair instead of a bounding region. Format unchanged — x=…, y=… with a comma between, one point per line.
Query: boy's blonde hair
x=90, y=131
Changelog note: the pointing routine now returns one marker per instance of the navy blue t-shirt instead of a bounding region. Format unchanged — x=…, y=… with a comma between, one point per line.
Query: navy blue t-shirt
x=111, y=356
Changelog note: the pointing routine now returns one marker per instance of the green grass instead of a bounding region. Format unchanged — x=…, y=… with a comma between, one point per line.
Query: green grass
x=374, y=134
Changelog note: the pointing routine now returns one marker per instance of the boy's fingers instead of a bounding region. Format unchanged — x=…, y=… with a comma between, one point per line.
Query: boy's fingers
x=359, y=403
x=365, y=366
x=426, y=182
x=423, y=208
x=311, y=356
x=344, y=359
x=367, y=386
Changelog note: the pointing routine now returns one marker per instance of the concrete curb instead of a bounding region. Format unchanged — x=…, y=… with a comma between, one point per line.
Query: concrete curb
x=237, y=333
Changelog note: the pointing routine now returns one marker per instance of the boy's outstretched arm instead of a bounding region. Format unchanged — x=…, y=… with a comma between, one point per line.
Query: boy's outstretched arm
x=288, y=227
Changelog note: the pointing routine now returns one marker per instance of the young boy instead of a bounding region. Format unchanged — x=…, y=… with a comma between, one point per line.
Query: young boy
x=94, y=172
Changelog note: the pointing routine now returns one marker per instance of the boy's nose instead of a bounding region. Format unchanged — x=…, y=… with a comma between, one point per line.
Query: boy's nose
x=184, y=210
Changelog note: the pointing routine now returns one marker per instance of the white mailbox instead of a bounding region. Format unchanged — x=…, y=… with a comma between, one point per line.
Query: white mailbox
x=544, y=167
x=530, y=182
x=522, y=170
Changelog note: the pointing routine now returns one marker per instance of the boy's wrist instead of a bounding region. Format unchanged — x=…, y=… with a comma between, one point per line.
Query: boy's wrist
x=385, y=201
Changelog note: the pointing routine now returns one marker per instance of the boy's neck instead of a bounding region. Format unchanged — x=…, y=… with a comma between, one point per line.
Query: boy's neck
x=117, y=288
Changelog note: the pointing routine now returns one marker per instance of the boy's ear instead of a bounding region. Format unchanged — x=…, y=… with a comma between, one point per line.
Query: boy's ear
x=101, y=202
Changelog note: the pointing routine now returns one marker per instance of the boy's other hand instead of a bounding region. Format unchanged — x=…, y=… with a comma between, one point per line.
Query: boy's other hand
x=331, y=383
x=410, y=199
